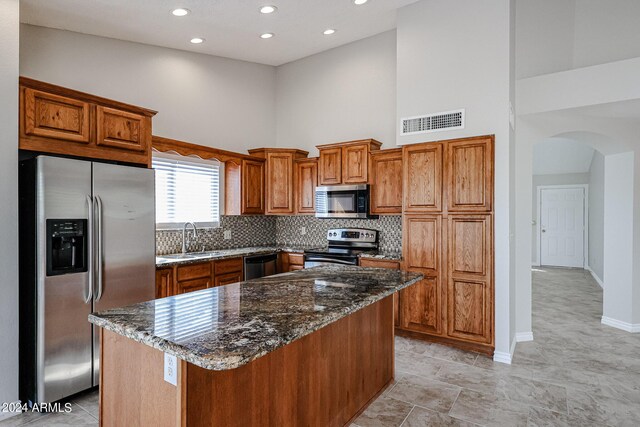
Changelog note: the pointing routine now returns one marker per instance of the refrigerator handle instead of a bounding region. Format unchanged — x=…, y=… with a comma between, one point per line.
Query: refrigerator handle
x=99, y=245
x=89, y=295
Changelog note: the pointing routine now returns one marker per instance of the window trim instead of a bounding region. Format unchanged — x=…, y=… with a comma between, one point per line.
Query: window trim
x=221, y=191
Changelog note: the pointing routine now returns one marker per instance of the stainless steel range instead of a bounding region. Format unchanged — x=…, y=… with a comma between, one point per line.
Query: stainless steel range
x=344, y=246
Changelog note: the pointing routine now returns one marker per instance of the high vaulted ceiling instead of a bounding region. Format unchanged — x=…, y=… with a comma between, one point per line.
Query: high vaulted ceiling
x=231, y=28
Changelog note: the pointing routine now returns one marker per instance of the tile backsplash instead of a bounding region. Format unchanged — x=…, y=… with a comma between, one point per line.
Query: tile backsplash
x=264, y=230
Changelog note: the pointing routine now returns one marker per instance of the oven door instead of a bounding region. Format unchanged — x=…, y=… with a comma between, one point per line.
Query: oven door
x=316, y=260
x=342, y=201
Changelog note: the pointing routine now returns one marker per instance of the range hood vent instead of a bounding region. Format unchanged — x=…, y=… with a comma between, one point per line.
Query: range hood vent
x=448, y=120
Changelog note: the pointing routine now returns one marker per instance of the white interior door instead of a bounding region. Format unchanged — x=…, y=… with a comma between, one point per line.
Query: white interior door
x=562, y=227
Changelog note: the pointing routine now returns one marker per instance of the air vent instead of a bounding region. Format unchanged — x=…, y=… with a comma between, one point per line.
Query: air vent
x=437, y=122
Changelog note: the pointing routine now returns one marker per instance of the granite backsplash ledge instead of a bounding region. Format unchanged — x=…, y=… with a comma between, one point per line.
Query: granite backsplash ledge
x=264, y=230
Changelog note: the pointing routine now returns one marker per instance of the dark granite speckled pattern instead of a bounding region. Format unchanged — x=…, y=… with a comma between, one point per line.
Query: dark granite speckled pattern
x=229, y=326
x=163, y=261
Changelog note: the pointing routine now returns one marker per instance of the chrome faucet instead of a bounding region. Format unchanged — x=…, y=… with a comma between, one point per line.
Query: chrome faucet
x=185, y=241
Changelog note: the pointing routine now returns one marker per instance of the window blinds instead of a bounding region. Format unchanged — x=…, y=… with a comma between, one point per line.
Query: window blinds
x=188, y=189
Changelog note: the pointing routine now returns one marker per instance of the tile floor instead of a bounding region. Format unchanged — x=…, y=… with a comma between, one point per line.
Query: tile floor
x=577, y=372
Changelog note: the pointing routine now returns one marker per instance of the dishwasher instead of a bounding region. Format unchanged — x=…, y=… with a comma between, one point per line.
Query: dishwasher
x=256, y=266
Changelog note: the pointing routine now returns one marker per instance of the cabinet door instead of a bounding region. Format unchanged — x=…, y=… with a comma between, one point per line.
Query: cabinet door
x=422, y=177
x=470, y=284
x=355, y=164
x=470, y=170
x=252, y=187
x=164, y=282
x=330, y=165
x=386, y=180
x=193, y=285
x=123, y=130
x=227, y=279
x=53, y=116
x=279, y=193
x=421, y=304
x=306, y=178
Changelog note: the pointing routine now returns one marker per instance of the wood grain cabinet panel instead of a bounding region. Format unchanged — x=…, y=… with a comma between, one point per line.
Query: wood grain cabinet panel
x=386, y=181
x=52, y=116
x=470, y=278
x=422, y=242
x=193, y=285
x=123, y=130
x=230, y=265
x=423, y=178
x=330, y=166
x=227, y=279
x=355, y=164
x=306, y=181
x=470, y=166
x=193, y=277
x=164, y=282
x=252, y=187
x=421, y=306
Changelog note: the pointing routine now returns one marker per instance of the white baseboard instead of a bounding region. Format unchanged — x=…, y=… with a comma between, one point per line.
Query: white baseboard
x=502, y=357
x=595, y=277
x=628, y=327
x=535, y=263
x=524, y=336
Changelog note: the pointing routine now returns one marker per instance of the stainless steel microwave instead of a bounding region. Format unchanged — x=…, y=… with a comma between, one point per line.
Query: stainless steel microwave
x=343, y=201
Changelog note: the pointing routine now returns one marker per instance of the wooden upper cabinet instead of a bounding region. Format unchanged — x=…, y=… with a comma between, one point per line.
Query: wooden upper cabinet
x=51, y=116
x=386, y=181
x=470, y=283
x=120, y=129
x=346, y=162
x=252, y=187
x=422, y=178
x=306, y=181
x=58, y=120
x=279, y=170
x=470, y=181
x=355, y=164
x=330, y=166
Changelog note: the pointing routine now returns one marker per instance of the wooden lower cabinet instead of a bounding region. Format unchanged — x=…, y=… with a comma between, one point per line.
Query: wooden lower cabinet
x=393, y=265
x=181, y=279
x=291, y=261
x=164, y=282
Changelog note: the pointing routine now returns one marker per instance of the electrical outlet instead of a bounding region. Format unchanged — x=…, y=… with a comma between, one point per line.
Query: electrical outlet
x=227, y=234
x=303, y=231
x=171, y=369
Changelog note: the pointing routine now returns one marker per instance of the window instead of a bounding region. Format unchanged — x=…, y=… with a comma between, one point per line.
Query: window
x=188, y=189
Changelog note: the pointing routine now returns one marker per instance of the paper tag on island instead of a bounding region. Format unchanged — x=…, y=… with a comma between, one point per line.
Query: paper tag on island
x=171, y=369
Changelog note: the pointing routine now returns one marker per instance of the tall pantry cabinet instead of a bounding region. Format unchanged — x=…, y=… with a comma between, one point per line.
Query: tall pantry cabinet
x=448, y=236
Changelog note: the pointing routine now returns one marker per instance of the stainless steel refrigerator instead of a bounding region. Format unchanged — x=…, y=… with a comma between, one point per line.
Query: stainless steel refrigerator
x=87, y=243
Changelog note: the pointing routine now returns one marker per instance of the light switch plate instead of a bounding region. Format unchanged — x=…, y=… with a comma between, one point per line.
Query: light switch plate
x=227, y=234
x=303, y=231
x=171, y=369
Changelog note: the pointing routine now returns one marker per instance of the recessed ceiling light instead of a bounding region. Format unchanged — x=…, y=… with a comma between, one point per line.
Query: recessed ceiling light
x=359, y=2
x=197, y=40
x=328, y=31
x=180, y=12
x=266, y=35
x=268, y=9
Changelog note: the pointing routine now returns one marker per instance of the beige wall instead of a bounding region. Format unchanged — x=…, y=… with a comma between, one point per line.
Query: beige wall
x=202, y=99
x=9, y=36
x=342, y=94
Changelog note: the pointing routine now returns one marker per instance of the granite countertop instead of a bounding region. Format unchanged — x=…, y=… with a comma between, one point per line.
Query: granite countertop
x=229, y=326
x=176, y=259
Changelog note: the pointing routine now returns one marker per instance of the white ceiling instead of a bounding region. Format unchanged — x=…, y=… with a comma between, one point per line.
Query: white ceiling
x=560, y=156
x=231, y=27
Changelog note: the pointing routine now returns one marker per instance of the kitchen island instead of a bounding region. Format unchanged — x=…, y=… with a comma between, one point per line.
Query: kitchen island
x=311, y=347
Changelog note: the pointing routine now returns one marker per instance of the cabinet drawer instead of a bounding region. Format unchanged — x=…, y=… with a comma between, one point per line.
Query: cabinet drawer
x=296, y=267
x=195, y=271
x=375, y=263
x=194, y=285
x=231, y=265
x=296, y=259
x=227, y=279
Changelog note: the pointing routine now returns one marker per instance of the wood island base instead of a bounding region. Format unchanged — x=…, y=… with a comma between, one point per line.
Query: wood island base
x=326, y=378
